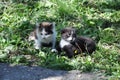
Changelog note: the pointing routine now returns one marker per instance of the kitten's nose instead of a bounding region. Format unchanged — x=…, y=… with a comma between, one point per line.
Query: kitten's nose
x=72, y=40
x=43, y=37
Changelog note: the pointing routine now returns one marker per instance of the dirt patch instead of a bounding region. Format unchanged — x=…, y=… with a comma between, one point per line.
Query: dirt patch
x=10, y=72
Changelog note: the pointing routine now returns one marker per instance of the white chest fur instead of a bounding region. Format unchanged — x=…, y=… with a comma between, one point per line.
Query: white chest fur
x=46, y=40
x=63, y=43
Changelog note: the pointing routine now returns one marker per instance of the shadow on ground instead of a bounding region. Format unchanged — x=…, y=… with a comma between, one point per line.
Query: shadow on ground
x=10, y=72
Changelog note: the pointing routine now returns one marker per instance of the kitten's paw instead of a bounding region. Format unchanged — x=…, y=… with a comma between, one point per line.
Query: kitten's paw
x=37, y=47
x=54, y=50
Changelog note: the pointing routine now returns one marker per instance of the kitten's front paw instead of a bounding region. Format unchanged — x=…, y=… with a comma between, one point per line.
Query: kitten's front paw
x=54, y=50
x=37, y=47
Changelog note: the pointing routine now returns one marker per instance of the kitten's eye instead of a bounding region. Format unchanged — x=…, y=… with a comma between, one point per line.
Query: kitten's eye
x=46, y=33
x=74, y=35
x=41, y=33
x=67, y=35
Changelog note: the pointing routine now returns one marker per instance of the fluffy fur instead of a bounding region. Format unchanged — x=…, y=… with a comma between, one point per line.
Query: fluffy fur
x=73, y=44
x=44, y=35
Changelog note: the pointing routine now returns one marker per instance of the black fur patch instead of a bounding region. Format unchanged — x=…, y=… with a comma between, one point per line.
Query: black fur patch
x=47, y=26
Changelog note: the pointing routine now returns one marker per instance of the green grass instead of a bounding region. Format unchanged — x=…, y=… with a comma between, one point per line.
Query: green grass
x=98, y=19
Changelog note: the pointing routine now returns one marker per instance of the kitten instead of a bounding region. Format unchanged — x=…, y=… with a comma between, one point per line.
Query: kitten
x=44, y=35
x=73, y=44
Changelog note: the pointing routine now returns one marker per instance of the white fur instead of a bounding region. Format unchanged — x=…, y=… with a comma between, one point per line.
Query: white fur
x=54, y=38
x=69, y=38
x=64, y=43
x=37, y=44
x=31, y=38
x=38, y=40
x=46, y=38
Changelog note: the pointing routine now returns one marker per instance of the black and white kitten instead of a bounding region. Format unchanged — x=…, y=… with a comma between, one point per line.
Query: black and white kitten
x=44, y=35
x=73, y=44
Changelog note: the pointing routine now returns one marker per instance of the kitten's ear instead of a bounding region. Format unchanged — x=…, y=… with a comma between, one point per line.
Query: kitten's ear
x=52, y=25
x=63, y=31
x=74, y=29
x=38, y=25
